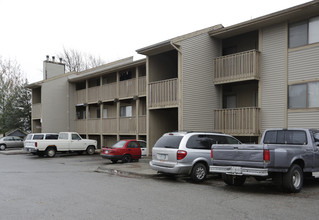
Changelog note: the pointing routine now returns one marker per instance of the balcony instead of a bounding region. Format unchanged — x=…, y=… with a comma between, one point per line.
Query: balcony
x=238, y=121
x=237, y=67
x=80, y=96
x=109, y=125
x=80, y=126
x=142, y=124
x=128, y=125
x=127, y=88
x=142, y=86
x=108, y=91
x=94, y=94
x=36, y=111
x=163, y=94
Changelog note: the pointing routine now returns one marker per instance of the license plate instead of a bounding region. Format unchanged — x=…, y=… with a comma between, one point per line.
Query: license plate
x=236, y=170
x=162, y=156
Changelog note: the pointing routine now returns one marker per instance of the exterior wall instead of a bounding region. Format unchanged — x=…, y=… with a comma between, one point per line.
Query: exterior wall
x=303, y=66
x=55, y=105
x=273, y=76
x=199, y=95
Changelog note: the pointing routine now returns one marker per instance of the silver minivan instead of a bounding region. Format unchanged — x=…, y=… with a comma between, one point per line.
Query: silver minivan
x=187, y=153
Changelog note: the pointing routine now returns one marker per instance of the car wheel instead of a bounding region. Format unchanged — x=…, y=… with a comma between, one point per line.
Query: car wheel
x=2, y=147
x=90, y=150
x=126, y=158
x=293, y=179
x=199, y=173
x=234, y=180
x=50, y=152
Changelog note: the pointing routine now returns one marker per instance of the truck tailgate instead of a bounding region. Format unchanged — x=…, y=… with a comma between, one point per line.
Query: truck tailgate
x=238, y=155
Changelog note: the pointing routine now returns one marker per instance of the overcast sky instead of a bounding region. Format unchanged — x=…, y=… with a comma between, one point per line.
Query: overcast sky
x=111, y=29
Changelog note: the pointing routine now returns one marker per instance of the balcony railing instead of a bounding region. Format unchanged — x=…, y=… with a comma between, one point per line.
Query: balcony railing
x=80, y=126
x=36, y=111
x=163, y=94
x=127, y=88
x=94, y=94
x=94, y=125
x=142, y=85
x=141, y=124
x=237, y=67
x=108, y=91
x=238, y=121
x=128, y=125
x=80, y=96
x=109, y=125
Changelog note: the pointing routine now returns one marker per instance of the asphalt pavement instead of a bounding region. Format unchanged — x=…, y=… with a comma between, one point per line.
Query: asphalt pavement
x=140, y=168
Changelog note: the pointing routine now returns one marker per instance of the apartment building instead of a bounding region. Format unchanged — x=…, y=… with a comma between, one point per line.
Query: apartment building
x=240, y=80
x=106, y=103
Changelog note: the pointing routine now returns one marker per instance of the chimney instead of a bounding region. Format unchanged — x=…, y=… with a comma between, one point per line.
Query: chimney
x=48, y=57
x=60, y=60
x=53, y=58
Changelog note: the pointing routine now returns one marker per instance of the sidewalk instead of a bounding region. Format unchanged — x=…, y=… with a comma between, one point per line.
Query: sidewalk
x=141, y=168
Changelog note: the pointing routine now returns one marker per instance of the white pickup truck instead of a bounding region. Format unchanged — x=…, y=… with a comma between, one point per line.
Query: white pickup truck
x=66, y=142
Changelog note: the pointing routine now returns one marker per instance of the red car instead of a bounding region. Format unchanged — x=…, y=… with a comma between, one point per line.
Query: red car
x=125, y=150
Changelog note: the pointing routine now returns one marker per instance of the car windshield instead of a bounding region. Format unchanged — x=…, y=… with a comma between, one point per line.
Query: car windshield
x=119, y=144
x=168, y=142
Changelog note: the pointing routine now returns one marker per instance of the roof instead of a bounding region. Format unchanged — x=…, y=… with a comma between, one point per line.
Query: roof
x=296, y=13
x=106, y=68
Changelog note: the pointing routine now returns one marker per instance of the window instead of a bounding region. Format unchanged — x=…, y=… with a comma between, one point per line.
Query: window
x=168, y=142
x=126, y=111
x=285, y=137
x=51, y=136
x=38, y=137
x=314, y=30
x=132, y=144
x=303, y=95
x=63, y=136
x=142, y=144
x=105, y=113
x=76, y=137
x=304, y=32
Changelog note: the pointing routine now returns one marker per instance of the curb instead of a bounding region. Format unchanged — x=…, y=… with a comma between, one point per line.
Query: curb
x=12, y=152
x=123, y=173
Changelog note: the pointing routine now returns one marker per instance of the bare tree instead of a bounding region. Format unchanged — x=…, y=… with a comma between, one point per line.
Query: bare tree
x=77, y=61
x=15, y=99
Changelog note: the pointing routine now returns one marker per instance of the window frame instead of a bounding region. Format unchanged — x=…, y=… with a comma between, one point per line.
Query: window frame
x=307, y=98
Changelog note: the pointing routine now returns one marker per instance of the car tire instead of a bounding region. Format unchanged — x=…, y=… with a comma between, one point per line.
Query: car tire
x=234, y=180
x=90, y=150
x=3, y=147
x=293, y=179
x=126, y=158
x=199, y=173
x=50, y=152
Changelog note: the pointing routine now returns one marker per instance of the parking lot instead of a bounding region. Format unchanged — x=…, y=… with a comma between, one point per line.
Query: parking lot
x=88, y=187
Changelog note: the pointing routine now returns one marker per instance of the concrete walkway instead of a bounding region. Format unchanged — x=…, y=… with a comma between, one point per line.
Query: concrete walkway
x=141, y=168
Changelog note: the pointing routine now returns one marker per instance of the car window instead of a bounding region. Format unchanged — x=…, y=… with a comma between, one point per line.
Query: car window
x=296, y=137
x=63, y=136
x=119, y=144
x=285, y=137
x=231, y=140
x=76, y=137
x=38, y=137
x=201, y=142
x=17, y=139
x=51, y=136
x=142, y=144
x=29, y=137
x=169, y=141
x=270, y=137
x=132, y=144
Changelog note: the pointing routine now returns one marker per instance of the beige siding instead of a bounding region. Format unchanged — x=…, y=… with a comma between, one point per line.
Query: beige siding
x=303, y=64
x=200, y=96
x=273, y=74
x=303, y=119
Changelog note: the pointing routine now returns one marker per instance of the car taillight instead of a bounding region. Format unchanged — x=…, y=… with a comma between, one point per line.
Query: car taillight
x=181, y=154
x=266, y=155
x=35, y=144
x=211, y=153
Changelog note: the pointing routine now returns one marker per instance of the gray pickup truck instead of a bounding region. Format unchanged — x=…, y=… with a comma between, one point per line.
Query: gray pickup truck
x=285, y=155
